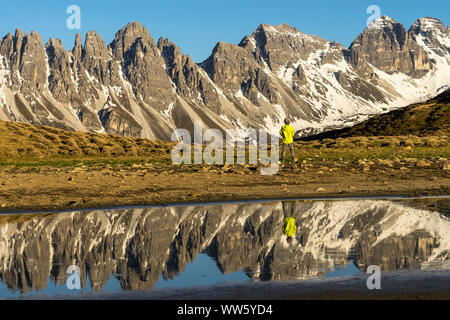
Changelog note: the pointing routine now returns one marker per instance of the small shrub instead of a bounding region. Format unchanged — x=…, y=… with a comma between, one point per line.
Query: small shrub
x=407, y=143
x=34, y=153
x=431, y=142
x=75, y=152
x=89, y=151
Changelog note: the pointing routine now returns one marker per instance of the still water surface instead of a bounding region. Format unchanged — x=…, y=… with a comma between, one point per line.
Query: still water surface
x=184, y=246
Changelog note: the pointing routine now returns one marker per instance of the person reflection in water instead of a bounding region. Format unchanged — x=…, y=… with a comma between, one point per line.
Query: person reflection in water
x=289, y=228
x=289, y=225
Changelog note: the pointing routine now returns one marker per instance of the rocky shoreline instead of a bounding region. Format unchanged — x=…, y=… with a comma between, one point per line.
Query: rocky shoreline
x=80, y=187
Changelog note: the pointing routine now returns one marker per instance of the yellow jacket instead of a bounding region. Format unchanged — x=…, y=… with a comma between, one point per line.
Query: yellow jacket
x=287, y=134
x=289, y=227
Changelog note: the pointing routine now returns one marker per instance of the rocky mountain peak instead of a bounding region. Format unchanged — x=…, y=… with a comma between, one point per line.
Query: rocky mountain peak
x=60, y=71
x=32, y=62
x=7, y=45
x=382, y=23
x=8, y=36
x=387, y=45
x=167, y=47
x=282, y=44
x=266, y=33
x=94, y=46
x=387, y=27
x=247, y=41
x=283, y=28
x=428, y=24
x=221, y=46
x=187, y=76
x=34, y=34
x=54, y=42
x=18, y=34
x=142, y=65
x=136, y=28
x=127, y=36
x=77, y=50
x=432, y=34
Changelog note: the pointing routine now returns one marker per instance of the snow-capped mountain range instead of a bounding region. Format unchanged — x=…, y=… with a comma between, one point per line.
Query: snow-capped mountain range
x=142, y=88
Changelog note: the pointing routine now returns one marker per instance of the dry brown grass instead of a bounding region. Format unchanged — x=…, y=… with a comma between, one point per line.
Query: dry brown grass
x=24, y=144
x=18, y=140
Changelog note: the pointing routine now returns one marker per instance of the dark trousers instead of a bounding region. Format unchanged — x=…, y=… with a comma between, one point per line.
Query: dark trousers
x=283, y=150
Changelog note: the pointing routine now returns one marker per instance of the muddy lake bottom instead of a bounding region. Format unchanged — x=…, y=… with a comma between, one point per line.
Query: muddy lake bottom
x=230, y=250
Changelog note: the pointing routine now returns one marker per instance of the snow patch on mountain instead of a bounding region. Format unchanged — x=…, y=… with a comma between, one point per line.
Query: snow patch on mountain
x=381, y=23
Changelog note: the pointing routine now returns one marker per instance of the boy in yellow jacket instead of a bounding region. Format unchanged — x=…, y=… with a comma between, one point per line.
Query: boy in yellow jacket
x=287, y=136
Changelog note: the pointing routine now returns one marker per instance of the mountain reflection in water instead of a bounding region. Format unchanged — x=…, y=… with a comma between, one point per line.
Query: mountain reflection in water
x=139, y=247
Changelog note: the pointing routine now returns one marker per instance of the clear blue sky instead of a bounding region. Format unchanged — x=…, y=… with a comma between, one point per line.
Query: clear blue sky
x=197, y=25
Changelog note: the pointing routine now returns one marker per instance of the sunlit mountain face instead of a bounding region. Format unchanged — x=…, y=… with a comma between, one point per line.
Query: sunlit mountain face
x=136, y=86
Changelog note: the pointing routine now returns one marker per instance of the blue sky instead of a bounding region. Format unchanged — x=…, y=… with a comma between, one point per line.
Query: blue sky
x=197, y=25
